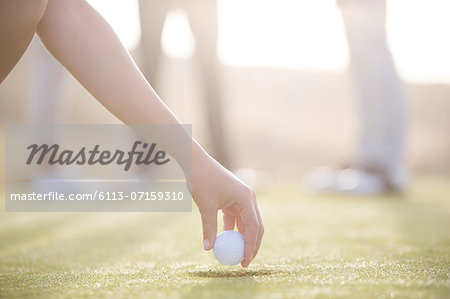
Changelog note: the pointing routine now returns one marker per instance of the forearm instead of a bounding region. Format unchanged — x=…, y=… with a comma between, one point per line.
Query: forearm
x=88, y=47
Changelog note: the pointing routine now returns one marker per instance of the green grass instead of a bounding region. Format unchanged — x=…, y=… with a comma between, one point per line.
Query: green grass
x=326, y=246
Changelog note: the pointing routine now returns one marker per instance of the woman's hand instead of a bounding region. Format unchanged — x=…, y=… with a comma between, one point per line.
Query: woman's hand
x=215, y=188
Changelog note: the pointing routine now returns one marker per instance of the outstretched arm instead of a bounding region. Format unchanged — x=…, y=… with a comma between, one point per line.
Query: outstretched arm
x=87, y=46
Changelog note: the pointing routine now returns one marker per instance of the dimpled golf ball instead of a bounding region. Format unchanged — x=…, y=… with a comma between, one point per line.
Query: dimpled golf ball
x=229, y=248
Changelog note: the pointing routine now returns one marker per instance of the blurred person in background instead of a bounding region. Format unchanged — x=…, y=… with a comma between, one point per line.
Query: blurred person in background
x=47, y=75
x=203, y=21
x=379, y=166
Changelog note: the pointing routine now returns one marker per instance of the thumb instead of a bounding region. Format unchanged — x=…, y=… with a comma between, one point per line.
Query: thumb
x=209, y=223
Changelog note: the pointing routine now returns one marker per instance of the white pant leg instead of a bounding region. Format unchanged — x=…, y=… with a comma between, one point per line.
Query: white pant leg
x=380, y=90
x=46, y=85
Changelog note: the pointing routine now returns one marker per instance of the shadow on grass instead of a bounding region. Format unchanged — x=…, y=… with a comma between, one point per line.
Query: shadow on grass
x=225, y=283
x=234, y=273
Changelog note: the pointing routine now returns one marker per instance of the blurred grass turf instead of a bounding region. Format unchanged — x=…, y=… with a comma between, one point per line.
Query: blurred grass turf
x=338, y=246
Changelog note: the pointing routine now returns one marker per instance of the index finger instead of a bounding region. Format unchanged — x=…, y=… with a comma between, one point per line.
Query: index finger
x=250, y=220
x=260, y=226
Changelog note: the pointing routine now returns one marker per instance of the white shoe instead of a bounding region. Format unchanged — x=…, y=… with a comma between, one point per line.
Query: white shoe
x=355, y=180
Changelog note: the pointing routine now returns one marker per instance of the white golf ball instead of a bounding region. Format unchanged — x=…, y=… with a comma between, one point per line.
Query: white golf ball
x=229, y=248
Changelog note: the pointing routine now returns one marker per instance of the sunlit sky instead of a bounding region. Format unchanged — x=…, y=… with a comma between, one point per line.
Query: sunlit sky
x=302, y=34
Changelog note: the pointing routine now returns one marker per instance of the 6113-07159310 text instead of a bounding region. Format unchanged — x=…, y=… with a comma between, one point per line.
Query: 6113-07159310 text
x=99, y=195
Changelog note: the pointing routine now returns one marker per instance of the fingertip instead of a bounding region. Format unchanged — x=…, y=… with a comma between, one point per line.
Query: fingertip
x=206, y=244
x=246, y=262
